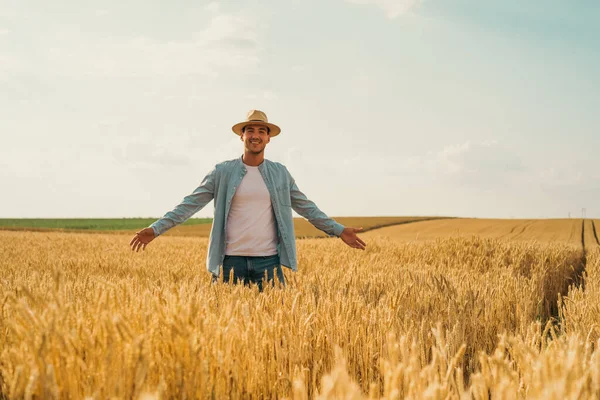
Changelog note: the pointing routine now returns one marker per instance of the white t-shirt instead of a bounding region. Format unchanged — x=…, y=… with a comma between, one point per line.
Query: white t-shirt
x=251, y=229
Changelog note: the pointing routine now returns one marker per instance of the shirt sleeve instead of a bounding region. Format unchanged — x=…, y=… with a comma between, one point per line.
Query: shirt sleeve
x=190, y=205
x=309, y=210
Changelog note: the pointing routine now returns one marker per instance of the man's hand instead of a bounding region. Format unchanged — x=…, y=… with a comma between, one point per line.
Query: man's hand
x=141, y=239
x=349, y=237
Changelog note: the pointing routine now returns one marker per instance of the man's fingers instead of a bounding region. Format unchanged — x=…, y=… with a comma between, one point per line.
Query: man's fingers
x=139, y=242
x=352, y=240
x=356, y=245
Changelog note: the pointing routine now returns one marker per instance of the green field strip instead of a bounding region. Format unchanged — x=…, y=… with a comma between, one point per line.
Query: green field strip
x=95, y=224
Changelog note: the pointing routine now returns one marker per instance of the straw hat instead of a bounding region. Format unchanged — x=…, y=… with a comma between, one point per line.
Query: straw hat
x=256, y=117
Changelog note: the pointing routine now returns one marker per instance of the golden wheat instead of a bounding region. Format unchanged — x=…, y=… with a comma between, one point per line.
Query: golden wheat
x=303, y=229
x=541, y=231
x=83, y=316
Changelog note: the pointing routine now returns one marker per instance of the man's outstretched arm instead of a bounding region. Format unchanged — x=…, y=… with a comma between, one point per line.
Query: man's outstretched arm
x=309, y=210
x=190, y=205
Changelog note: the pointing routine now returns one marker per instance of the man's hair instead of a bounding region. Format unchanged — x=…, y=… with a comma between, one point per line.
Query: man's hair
x=268, y=129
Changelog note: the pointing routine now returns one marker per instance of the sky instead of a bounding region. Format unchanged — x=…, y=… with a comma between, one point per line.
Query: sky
x=468, y=108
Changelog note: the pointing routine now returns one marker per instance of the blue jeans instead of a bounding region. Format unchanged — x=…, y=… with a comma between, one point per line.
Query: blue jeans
x=253, y=270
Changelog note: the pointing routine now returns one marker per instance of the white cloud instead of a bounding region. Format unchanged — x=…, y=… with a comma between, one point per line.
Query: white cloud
x=213, y=6
x=567, y=175
x=4, y=32
x=487, y=165
x=449, y=160
x=392, y=8
x=142, y=152
x=228, y=42
x=481, y=164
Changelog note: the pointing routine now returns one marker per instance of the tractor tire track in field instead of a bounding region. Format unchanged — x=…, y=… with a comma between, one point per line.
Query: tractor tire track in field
x=595, y=233
x=525, y=226
x=512, y=234
x=579, y=281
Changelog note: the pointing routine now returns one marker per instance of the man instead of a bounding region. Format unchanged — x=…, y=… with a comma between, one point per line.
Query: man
x=253, y=231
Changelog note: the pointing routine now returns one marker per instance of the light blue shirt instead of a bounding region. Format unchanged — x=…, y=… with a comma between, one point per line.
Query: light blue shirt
x=220, y=185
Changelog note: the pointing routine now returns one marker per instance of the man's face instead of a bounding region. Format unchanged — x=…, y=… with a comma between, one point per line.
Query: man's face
x=255, y=138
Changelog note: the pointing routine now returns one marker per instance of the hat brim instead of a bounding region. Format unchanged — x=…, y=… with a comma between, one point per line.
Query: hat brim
x=274, y=130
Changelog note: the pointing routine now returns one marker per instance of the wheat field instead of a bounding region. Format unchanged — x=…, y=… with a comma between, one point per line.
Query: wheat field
x=457, y=316
x=193, y=227
x=523, y=230
x=303, y=229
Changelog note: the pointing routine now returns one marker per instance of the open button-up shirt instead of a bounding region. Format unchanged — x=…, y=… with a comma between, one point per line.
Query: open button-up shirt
x=220, y=185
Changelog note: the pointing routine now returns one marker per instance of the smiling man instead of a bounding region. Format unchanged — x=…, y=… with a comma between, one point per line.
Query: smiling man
x=252, y=233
